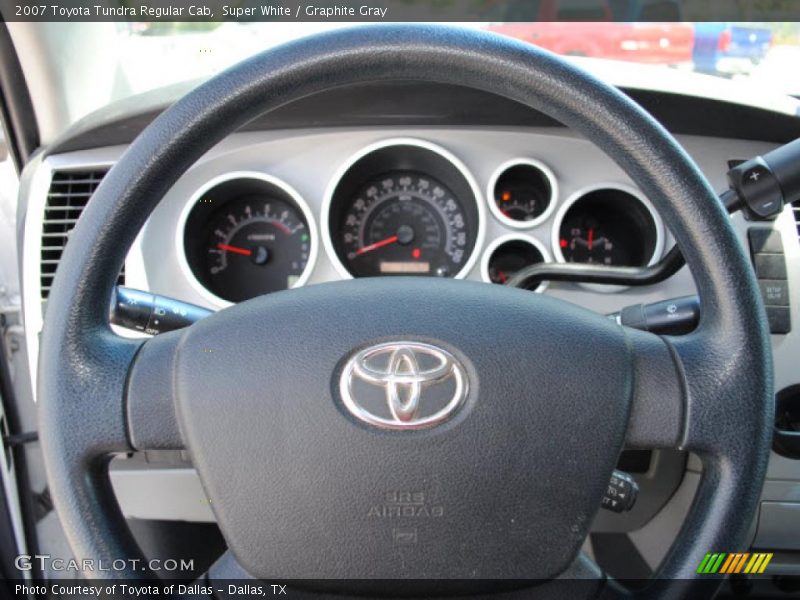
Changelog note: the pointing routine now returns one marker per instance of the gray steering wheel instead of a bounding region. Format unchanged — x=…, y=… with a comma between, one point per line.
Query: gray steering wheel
x=517, y=474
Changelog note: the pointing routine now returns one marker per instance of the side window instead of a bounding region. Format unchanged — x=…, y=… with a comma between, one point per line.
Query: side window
x=9, y=183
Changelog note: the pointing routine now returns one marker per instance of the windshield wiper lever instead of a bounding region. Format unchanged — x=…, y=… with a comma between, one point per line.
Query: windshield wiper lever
x=150, y=313
x=669, y=317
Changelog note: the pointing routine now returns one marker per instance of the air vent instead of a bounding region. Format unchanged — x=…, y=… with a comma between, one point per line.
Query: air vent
x=796, y=211
x=68, y=195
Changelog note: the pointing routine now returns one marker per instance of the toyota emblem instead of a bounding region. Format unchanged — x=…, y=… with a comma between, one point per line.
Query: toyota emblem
x=403, y=385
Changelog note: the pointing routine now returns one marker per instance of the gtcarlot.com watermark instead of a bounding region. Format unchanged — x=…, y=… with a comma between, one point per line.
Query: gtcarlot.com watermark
x=45, y=562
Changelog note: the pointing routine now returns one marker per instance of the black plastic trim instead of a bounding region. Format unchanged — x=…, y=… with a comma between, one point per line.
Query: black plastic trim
x=412, y=103
x=16, y=108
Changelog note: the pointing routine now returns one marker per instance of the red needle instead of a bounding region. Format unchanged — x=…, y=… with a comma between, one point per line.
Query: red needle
x=376, y=245
x=235, y=249
x=282, y=227
x=591, y=238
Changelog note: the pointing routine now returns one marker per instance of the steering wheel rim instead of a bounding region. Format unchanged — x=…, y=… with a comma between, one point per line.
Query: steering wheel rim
x=724, y=413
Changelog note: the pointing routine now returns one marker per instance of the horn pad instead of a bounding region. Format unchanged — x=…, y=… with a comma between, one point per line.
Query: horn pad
x=494, y=419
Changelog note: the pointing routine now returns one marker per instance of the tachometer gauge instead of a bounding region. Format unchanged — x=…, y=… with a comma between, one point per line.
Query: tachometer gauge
x=247, y=237
x=256, y=245
x=404, y=223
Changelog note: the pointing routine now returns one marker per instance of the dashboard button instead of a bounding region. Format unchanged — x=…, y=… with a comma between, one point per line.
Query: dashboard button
x=764, y=239
x=779, y=319
x=770, y=266
x=774, y=291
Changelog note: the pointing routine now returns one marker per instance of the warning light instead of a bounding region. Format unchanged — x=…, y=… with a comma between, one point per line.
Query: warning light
x=506, y=196
x=416, y=253
x=563, y=243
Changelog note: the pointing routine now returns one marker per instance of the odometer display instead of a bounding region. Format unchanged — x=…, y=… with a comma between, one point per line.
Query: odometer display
x=404, y=223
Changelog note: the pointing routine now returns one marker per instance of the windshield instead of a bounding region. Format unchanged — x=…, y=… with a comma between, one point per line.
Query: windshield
x=140, y=56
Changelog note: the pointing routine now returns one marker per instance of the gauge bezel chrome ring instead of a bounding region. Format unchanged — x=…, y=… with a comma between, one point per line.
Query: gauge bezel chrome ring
x=325, y=226
x=552, y=180
x=555, y=231
x=293, y=195
x=514, y=237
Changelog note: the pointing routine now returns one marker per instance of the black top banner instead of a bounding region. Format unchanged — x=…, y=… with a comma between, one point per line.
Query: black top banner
x=401, y=10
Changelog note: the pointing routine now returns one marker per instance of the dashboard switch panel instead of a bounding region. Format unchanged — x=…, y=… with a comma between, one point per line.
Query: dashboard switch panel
x=769, y=262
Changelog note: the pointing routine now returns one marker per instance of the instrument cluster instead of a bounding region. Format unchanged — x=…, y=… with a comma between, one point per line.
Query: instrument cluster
x=406, y=207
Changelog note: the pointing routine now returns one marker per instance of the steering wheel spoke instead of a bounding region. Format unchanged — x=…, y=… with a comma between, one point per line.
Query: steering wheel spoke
x=150, y=398
x=659, y=399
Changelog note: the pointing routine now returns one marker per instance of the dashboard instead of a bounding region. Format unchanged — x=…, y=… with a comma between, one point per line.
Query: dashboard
x=266, y=212
x=302, y=202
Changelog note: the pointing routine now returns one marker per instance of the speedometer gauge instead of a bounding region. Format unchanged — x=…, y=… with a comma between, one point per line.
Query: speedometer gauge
x=404, y=223
x=248, y=236
x=404, y=207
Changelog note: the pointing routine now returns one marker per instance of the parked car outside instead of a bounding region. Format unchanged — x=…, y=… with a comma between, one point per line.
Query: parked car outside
x=652, y=43
x=729, y=49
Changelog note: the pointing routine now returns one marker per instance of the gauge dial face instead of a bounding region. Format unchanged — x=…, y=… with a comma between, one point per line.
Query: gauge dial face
x=404, y=223
x=522, y=193
x=243, y=241
x=608, y=227
x=256, y=245
x=588, y=241
x=510, y=257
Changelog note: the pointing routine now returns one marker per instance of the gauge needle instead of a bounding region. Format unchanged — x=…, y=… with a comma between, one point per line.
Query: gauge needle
x=591, y=238
x=235, y=249
x=376, y=245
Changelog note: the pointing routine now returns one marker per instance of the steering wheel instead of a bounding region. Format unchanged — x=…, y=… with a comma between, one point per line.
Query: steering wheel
x=502, y=484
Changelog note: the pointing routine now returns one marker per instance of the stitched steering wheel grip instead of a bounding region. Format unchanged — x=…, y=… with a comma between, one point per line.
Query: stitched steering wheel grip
x=719, y=400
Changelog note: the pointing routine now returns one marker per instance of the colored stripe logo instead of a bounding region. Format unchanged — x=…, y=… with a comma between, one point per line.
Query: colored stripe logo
x=737, y=562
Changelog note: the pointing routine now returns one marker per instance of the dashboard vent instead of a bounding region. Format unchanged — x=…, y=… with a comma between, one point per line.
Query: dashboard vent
x=69, y=192
x=796, y=211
